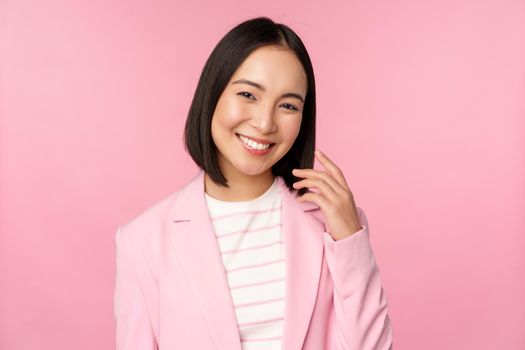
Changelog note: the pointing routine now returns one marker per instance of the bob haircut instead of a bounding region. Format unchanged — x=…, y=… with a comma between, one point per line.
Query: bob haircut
x=224, y=60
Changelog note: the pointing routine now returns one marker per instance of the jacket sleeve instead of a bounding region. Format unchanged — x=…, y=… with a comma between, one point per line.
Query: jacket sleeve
x=132, y=324
x=361, y=312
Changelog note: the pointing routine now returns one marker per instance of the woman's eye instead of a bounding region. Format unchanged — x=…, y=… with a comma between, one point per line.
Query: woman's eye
x=293, y=108
x=245, y=94
x=248, y=95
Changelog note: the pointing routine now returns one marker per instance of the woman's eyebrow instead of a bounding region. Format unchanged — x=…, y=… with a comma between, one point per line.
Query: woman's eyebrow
x=260, y=87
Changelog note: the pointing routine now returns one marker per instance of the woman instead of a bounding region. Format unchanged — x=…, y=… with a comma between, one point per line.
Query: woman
x=245, y=256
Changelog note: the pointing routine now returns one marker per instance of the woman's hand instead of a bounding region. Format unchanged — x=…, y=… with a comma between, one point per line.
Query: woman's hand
x=334, y=198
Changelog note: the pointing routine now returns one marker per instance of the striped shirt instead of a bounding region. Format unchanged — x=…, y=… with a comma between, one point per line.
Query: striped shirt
x=249, y=237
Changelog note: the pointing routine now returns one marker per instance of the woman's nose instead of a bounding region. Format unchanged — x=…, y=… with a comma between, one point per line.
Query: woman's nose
x=264, y=120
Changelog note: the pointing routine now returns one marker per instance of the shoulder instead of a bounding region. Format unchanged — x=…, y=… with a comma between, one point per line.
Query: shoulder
x=149, y=216
x=150, y=221
x=146, y=226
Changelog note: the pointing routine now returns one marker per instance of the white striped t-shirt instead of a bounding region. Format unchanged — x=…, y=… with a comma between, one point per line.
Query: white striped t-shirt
x=249, y=237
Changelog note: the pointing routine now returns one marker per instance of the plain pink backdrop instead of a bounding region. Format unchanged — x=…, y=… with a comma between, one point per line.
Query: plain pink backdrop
x=421, y=104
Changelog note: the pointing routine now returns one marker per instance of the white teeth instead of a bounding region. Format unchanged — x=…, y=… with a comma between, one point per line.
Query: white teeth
x=253, y=144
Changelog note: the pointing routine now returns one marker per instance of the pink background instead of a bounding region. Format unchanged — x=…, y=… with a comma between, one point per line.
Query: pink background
x=421, y=104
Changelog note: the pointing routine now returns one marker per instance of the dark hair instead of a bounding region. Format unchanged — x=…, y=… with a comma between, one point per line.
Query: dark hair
x=224, y=60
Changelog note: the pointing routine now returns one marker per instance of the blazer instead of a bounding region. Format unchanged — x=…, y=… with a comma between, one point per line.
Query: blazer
x=171, y=290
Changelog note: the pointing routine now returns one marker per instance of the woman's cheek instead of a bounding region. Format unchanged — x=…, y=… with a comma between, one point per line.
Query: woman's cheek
x=291, y=128
x=238, y=112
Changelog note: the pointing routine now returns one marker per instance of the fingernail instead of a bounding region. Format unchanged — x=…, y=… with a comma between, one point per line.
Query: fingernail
x=318, y=152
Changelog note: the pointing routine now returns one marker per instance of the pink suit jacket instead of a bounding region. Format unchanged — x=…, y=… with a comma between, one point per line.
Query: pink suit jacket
x=171, y=290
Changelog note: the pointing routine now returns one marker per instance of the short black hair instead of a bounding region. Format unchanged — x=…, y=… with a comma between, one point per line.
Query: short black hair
x=226, y=57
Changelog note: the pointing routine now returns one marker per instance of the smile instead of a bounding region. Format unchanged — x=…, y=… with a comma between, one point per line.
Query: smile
x=254, y=145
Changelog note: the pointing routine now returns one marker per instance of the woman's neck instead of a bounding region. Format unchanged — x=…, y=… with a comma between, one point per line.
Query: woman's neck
x=242, y=188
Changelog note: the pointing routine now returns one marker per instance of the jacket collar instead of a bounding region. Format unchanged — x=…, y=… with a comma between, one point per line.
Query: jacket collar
x=194, y=248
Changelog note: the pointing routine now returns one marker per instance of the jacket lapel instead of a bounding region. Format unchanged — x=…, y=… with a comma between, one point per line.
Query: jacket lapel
x=303, y=242
x=191, y=236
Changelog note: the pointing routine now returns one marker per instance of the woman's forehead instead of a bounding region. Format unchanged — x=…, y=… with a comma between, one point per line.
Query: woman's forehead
x=272, y=69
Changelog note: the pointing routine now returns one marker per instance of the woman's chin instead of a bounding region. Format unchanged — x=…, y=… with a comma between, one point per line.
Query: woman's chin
x=252, y=171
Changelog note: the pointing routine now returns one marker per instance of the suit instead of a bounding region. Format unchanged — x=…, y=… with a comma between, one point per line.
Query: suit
x=171, y=290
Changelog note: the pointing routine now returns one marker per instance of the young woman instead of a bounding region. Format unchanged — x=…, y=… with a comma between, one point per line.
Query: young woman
x=245, y=255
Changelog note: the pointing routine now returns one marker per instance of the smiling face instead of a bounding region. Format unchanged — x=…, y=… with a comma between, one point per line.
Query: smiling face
x=263, y=101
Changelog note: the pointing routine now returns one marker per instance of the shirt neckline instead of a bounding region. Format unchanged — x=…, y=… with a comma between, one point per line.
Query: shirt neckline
x=273, y=189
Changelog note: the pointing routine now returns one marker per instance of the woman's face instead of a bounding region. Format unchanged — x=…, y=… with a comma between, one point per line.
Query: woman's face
x=271, y=112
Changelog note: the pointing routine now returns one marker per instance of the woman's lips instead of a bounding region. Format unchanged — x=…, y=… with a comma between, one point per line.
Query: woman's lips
x=257, y=140
x=255, y=151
